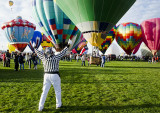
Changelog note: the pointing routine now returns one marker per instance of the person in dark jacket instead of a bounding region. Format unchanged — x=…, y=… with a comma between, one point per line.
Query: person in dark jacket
x=16, y=61
x=34, y=59
x=30, y=60
x=8, y=57
x=21, y=61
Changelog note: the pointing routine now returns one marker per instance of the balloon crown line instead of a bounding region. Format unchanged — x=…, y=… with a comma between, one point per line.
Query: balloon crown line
x=18, y=22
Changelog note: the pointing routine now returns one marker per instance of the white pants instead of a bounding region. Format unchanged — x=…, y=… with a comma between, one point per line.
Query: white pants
x=55, y=80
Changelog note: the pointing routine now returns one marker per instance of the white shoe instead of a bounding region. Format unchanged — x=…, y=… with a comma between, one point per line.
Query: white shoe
x=58, y=107
x=40, y=109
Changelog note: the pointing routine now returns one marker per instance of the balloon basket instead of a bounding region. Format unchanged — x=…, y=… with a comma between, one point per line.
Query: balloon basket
x=95, y=60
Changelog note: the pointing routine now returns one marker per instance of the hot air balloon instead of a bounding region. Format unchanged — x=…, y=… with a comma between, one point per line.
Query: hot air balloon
x=11, y=3
x=151, y=33
x=74, y=51
x=56, y=25
x=11, y=48
x=45, y=42
x=79, y=37
x=95, y=18
x=80, y=45
x=37, y=39
x=84, y=50
x=19, y=32
x=107, y=42
x=137, y=47
x=128, y=36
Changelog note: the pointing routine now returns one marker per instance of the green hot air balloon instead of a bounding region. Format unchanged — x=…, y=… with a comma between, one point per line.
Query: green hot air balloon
x=95, y=18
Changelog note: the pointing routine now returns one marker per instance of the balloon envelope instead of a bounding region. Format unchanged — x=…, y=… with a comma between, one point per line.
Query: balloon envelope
x=80, y=45
x=107, y=42
x=11, y=3
x=151, y=34
x=55, y=24
x=84, y=50
x=45, y=42
x=19, y=32
x=94, y=17
x=37, y=39
x=137, y=47
x=128, y=36
x=11, y=48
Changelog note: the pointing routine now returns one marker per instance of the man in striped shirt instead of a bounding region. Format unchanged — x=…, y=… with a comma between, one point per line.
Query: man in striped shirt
x=51, y=76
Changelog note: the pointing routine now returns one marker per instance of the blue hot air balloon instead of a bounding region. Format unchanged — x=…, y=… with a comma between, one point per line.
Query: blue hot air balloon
x=19, y=32
x=37, y=39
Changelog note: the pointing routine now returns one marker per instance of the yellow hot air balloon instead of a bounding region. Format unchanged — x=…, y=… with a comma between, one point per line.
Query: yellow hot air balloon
x=11, y=3
x=11, y=48
x=45, y=42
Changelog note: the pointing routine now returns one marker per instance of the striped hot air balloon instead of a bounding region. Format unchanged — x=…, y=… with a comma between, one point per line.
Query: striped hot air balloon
x=55, y=24
x=108, y=41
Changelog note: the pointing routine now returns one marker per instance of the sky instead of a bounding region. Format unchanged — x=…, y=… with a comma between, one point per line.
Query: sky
x=140, y=11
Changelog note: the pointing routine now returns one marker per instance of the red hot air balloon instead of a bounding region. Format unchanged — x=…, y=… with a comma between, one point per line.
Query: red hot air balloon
x=151, y=34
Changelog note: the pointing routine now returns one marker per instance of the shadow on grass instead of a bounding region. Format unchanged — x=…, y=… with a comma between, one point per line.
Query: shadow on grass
x=133, y=67
x=9, y=75
x=101, y=108
x=103, y=81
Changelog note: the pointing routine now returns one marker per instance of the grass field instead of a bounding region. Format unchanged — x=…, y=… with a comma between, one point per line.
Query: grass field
x=120, y=87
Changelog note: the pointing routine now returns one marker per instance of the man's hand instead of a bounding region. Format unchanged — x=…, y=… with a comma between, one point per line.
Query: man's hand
x=34, y=45
x=69, y=42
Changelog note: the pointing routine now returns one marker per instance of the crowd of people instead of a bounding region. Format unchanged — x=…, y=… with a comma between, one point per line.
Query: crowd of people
x=20, y=59
x=32, y=59
x=84, y=58
x=153, y=59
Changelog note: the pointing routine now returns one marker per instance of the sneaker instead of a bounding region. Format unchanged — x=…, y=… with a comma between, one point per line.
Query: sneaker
x=58, y=107
x=40, y=109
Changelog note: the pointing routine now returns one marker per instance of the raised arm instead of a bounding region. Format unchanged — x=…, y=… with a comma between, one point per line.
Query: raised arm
x=62, y=53
x=39, y=53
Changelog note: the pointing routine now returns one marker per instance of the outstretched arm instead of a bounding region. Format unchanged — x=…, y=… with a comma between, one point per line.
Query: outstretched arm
x=62, y=53
x=39, y=53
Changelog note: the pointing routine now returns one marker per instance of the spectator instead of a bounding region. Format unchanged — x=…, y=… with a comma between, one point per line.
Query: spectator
x=83, y=60
x=77, y=57
x=8, y=57
x=71, y=57
x=21, y=61
x=16, y=61
x=30, y=60
x=26, y=58
x=103, y=61
x=149, y=60
x=88, y=61
x=34, y=59
x=4, y=59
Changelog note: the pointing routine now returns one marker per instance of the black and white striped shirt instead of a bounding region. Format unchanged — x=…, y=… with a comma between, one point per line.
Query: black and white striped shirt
x=51, y=64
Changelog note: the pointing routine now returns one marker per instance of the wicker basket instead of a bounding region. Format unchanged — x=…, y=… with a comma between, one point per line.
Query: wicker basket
x=95, y=60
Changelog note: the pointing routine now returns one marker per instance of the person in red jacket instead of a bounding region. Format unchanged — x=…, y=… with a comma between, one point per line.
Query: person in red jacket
x=4, y=59
x=157, y=58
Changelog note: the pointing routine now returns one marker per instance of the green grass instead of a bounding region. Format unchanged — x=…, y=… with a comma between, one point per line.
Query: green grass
x=120, y=87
